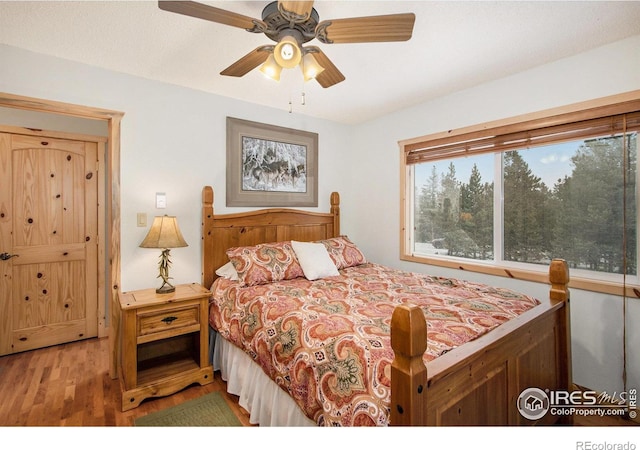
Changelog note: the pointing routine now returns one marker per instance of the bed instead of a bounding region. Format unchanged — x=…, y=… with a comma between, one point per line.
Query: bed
x=421, y=381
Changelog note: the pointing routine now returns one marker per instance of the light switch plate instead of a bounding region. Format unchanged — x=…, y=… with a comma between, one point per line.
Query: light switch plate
x=161, y=200
x=142, y=220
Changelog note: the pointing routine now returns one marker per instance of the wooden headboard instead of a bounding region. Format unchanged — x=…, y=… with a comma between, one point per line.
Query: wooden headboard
x=223, y=231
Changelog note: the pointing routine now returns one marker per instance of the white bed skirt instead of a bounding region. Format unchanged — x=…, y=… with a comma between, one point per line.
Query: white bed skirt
x=267, y=403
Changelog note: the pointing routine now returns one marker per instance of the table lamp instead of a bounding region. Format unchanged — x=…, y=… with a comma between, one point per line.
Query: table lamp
x=164, y=234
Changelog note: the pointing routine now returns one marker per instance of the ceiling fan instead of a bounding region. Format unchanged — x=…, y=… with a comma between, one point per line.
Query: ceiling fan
x=291, y=24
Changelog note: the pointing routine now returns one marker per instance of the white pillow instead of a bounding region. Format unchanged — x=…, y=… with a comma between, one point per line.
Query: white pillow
x=228, y=271
x=314, y=260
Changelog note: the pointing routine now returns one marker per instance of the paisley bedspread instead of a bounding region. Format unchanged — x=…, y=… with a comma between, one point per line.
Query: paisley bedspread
x=327, y=342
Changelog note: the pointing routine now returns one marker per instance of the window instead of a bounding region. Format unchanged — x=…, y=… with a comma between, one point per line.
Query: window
x=454, y=208
x=508, y=197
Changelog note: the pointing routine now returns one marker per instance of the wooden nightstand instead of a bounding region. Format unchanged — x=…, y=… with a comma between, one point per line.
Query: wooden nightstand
x=163, y=342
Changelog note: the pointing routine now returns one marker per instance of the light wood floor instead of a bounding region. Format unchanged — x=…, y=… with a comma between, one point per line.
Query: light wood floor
x=69, y=385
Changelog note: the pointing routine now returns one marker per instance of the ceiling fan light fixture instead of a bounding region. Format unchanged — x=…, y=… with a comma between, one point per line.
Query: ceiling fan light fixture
x=292, y=24
x=287, y=53
x=310, y=67
x=271, y=69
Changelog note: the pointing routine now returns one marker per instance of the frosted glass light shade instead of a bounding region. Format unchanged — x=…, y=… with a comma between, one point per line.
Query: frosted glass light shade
x=271, y=69
x=310, y=67
x=287, y=53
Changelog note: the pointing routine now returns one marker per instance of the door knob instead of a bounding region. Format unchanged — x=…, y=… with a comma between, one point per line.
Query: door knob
x=5, y=256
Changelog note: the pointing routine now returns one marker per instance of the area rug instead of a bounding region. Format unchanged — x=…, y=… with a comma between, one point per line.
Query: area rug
x=210, y=410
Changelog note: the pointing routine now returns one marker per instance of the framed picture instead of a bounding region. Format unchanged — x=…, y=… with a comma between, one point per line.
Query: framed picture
x=270, y=166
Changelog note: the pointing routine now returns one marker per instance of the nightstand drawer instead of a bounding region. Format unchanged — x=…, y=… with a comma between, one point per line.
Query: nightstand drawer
x=174, y=320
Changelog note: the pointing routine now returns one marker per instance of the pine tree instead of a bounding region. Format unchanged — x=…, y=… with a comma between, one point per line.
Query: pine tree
x=591, y=226
x=427, y=207
x=528, y=226
x=476, y=214
x=447, y=217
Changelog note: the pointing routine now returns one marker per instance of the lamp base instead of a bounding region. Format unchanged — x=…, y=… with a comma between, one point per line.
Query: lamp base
x=165, y=289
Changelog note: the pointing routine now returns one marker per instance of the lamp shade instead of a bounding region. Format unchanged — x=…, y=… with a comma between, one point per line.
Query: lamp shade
x=310, y=67
x=164, y=233
x=287, y=53
x=271, y=69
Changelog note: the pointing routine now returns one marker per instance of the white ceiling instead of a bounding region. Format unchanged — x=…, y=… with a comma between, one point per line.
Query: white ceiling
x=455, y=45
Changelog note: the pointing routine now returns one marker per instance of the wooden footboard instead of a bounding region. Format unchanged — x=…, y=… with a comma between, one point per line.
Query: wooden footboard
x=480, y=383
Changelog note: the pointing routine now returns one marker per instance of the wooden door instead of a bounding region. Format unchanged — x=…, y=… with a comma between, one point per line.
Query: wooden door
x=48, y=241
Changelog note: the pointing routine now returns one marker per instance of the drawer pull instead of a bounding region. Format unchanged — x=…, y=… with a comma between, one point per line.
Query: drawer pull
x=169, y=319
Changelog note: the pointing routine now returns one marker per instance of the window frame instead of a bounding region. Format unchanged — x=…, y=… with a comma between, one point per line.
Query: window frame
x=603, y=107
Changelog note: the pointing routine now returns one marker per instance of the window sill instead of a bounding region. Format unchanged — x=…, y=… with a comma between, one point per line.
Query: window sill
x=542, y=276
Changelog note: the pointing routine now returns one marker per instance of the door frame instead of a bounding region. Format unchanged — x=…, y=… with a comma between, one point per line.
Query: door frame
x=109, y=246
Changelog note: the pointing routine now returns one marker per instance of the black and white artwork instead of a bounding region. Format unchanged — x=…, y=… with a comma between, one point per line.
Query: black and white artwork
x=269, y=165
x=273, y=166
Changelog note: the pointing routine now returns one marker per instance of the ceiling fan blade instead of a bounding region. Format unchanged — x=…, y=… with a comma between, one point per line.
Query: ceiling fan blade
x=248, y=62
x=389, y=28
x=211, y=13
x=299, y=9
x=330, y=75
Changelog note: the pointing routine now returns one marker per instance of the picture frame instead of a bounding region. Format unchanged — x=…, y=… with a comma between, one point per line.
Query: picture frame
x=270, y=166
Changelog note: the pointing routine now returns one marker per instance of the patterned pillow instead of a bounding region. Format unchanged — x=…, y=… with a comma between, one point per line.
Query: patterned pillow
x=343, y=252
x=265, y=263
